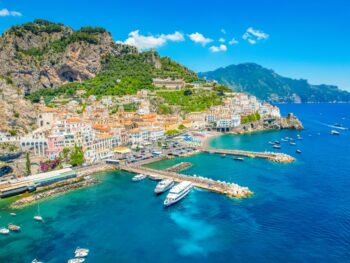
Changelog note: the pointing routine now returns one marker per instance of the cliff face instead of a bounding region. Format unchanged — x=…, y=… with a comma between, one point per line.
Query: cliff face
x=44, y=54
x=17, y=114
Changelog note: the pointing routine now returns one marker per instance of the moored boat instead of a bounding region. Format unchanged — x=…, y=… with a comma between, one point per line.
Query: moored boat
x=76, y=260
x=334, y=132
x=223, y=155
x=13, y=214
x=163, y=186
x=298, y=151
x=238, y=159
x=292, y=143
x=178, y=192
x=81, y=252
x=14, y=228
x=154, y=178
x=276, y=146
x=139, y=177
x=36, y=261
x=4, y=231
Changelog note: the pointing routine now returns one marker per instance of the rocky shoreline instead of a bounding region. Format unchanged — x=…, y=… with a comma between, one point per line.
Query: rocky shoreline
x=44, y=194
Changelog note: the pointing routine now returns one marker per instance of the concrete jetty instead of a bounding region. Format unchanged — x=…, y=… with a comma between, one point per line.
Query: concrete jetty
x=179, y=167
x=229, y=189
x=272, y=156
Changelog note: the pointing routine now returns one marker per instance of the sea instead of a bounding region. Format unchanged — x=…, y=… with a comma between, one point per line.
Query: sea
x=299, y=212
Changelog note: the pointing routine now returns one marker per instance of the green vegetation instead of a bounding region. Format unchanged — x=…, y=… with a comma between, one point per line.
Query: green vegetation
x=8, y=147
x=77, y=156
x=28, y=170
x=250, y=118
x=121, y=76
x=198, y=101
x=181, y=127
x=172, y=132
x=130, y=107
x=37, y=27
x=13, y=132
x=7, y=79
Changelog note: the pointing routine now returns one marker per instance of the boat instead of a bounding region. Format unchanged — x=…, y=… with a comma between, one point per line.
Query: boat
x=139, y=177
x=298, y=151
x=36, y=261
x=284, y=140
x=4, y=231
x=223, y=155
x=292, y=143
x=338, y=125
x=334, y=132
x=163, y=186
x=13, y=214
x=238, y=159
x=277, y=142
x=76, y=260
x=271, y=143
x=81, y=252
x=38, y=217
x=276, y=147
x=154, y=178
x=178, y=192
x=14, y=228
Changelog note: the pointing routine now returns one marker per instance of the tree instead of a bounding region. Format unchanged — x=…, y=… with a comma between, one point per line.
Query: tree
x=77, y=156
x=181, y=127
x=28, y=170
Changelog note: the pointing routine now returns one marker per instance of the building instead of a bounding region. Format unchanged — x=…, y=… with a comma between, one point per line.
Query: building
x=169, y=83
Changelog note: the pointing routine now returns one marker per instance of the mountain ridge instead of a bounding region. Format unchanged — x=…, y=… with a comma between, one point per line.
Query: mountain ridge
x=267, y=85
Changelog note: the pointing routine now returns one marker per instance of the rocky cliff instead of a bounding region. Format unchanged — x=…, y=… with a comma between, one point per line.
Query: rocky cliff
x=44, y=54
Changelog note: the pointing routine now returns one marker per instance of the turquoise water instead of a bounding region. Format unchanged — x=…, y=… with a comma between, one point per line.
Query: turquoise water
x=300, y=212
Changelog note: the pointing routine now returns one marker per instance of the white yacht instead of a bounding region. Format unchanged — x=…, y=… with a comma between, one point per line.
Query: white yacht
x=178, y=192
x=81, y=252
x=139, y=177
x=334, y=132
x=154, y=178
x=4, y=231
x=163, y=186
x=76, y=260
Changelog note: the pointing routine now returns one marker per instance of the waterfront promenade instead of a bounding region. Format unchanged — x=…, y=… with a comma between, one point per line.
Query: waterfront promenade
x=229, y=189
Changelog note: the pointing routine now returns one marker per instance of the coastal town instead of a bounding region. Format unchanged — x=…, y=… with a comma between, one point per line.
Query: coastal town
x=86, y=133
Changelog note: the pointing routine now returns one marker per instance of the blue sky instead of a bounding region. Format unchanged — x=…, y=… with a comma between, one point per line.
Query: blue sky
x=296, y=38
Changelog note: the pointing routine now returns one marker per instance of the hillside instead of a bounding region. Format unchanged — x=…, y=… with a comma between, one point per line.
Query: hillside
x=45, y=55
x=269, y=86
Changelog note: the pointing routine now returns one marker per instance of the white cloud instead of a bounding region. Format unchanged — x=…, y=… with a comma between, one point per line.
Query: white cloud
x=223, y=31
x=215, y=49
x=233, y=41
x=253, y=35
x=222, y=40
x=143, y=42
x=6, y=12
x=199, y=38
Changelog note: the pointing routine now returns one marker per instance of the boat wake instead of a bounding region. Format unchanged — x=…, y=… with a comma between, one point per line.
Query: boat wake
x=333, y=126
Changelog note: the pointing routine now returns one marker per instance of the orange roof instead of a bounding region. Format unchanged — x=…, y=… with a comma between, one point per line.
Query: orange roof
x=74, y=119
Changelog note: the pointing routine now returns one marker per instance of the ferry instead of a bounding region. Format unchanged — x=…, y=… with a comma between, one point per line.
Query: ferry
x=14, y=228
x=163, y=186
x=4, y=231
x=276, y=147
x=76, y=260
x=178, y=192
x=334, y=132
x=238, y=159
x=139, y=177
x=81, y=252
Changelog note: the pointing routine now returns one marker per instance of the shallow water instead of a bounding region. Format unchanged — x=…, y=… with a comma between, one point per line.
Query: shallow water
x=300, y=212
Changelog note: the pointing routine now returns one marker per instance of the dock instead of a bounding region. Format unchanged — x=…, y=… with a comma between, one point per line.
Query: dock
x=272, y=156
x=225, y=188
x=179, y=167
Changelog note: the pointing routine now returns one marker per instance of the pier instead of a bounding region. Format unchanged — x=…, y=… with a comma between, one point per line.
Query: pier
x=272, y=156
x=229, y=189
x=179, y=167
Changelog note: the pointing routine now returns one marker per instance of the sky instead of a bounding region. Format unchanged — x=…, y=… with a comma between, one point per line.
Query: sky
x=308, y=39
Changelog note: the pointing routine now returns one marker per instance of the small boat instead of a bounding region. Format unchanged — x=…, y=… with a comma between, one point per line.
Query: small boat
x=284, y=140
x=277, y=142
x=163, y=186
x=178, y=192
x=292, y=143
x=139, y=177
x=276, y=147
x=81, y=252
x=14, y=228
x=238, y=159
x=334, y=132
x=271, y=143
x=338, y=125
x=38, y=217
x=76, y=260
x=13, y=214
x=4, y=231
x=36, y=261
x=223, y=155
x=154, y=178
x=298, y=151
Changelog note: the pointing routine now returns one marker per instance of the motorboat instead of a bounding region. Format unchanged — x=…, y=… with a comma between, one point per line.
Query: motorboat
x=276, y=146
x=292, y=143
x=223, y=155
x=163, y=186
x=76, y=260
x=12, y=214
x=14, y=228
x=238, y=159
x=154, y=178
x=38, y=218
x=298, y=151
x=36, y=261
x=334, y=132
x=81, y=252
x=178, y=192
x=4, y=231
x=139, y=177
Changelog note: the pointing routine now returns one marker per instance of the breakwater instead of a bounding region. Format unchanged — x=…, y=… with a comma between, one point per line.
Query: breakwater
x=229, y=189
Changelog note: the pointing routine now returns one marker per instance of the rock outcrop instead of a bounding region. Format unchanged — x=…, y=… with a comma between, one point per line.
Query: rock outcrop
x=44, y=54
